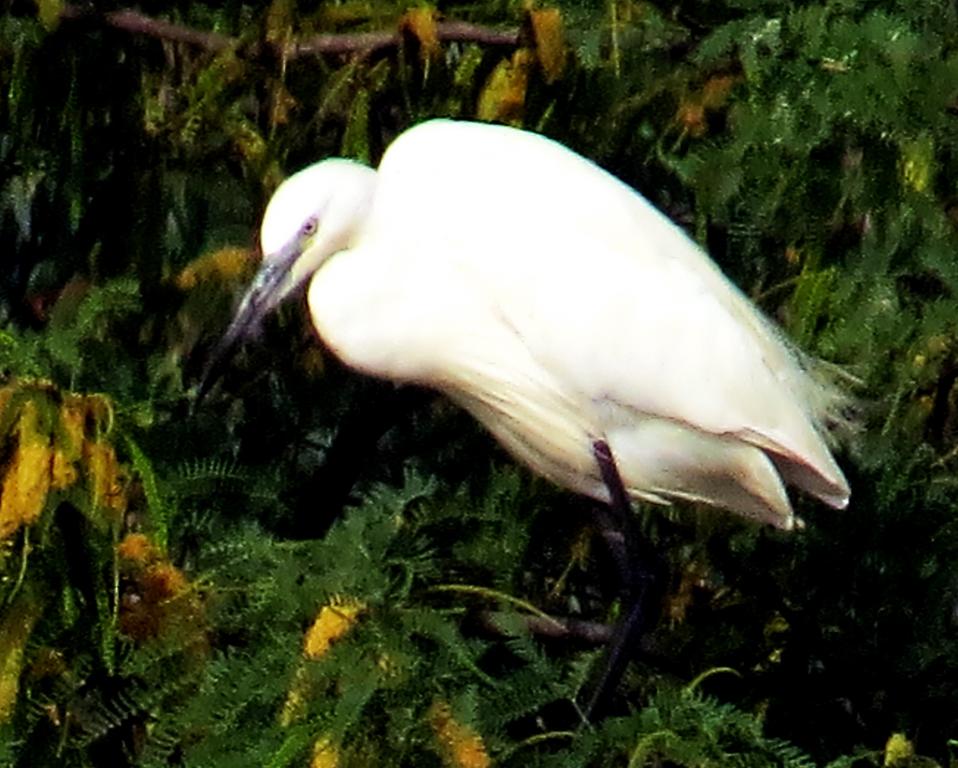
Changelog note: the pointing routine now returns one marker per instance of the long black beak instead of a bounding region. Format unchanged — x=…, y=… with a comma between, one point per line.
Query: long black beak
x=269, y=287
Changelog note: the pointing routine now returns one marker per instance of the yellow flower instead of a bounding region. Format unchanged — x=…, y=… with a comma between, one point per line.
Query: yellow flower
x=461, y=746
x=333, y=622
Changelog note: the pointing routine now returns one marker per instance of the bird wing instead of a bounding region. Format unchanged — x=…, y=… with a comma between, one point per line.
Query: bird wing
x=610, y=297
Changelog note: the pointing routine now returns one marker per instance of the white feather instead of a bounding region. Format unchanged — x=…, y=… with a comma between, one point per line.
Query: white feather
x=559, y=307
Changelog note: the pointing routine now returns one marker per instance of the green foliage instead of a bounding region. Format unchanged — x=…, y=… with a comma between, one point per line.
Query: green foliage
x=681, y=727
x=76, y=333
x=810, y=146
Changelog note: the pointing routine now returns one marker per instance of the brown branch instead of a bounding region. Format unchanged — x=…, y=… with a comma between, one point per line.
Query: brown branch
x=590, y=632
x=139, y=24
x=325, y=44
x=577, y=630
x=350, y=42
x=367, y=42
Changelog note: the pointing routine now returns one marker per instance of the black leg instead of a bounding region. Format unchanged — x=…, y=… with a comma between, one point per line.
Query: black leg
x=640, y=570
x=616, y=524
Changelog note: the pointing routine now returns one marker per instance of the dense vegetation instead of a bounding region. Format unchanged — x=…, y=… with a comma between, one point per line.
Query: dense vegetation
x=317, y=569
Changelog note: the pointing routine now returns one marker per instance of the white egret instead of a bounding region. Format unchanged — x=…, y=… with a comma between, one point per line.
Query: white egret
x=596, y=341
x=585, y=330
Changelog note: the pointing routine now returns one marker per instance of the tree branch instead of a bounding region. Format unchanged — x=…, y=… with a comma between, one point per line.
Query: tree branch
x=576, y=630
x=589, y=632
x=140, y=24
x=137, y=23
x=367, y=42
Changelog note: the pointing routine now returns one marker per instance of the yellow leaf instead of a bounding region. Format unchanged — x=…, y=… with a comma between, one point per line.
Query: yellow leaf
x=282, y=104
x=107, y=482
x=162, y=582
x=99, y=411
x=333, y=622
x=137, y=548
x=73, y=415
x=387, y=665
x=18, y=623
x=356, y=136
x=279, y=22
x=421, y=24
x=63, y=472
x=898, y=750
x=579, y=551
x=6, y=395
x=49, y=13
x=503, y=97
x=47, y=662
x=550, y=41
x=692, y=579
x=325, y=753
x=691, y=116
x=26, y=481
x=160, y=600
x=225, y=265
x=312, y=361
x=295, y=705
x=716, y=90
x=343, y=13
x=917, y=163
x=461, y=746
x=248, y=141
x=69, y=441
x=693, y=108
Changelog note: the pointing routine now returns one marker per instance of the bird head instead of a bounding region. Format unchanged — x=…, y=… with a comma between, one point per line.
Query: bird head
x=313, y=215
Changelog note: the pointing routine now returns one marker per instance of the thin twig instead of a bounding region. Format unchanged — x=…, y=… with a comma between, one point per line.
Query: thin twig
x=590, y=632
x=368, y=42
x=140, y=24
x=137, y=23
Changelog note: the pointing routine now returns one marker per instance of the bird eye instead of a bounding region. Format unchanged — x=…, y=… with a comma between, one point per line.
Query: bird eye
x=309, y=228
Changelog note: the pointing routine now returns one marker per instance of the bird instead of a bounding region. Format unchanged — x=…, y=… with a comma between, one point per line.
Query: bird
x=589, y=334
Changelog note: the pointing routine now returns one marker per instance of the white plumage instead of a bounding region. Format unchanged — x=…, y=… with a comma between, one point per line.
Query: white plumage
x=557, y=306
